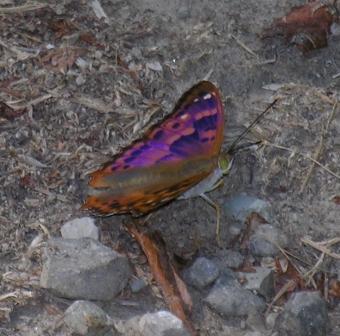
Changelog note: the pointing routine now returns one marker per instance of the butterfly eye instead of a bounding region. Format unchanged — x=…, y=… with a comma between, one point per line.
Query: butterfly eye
x=225, y=162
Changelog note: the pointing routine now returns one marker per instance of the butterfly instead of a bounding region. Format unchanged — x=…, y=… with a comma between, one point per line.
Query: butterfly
x=178, y=158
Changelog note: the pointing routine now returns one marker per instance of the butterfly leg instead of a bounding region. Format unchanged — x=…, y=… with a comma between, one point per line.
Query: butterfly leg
x=218, y=215
x=217, y=184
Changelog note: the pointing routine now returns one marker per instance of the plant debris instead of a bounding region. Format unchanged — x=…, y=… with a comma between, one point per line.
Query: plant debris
x=9, y=113
x=307, y=26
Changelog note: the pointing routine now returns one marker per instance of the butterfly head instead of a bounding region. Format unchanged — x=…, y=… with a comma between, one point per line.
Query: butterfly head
x=225, y=162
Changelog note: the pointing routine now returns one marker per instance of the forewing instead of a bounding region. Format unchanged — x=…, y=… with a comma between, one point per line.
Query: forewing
x=194, y=128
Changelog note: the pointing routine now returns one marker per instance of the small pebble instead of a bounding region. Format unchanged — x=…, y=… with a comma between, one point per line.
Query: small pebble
x=227, y=297
x=84, y=316
x=161, y=323
x=228, y=258
x=261, y=281
x=270, y=319
x=256, y=323
x=82, y=64
x=80, y=80
x=241, y=206
x=305, y=314
x=137, y=285
x=78, y=228
x=201, y=273
x=265, y=240
x=155, y=66
x=83, y=269
x=98, y=54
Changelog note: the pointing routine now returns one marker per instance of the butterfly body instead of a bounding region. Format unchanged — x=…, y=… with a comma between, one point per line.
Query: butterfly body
x=173, y=157
x=211, y=181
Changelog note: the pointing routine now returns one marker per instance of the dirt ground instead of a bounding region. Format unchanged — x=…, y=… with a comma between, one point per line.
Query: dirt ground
x=81, y=88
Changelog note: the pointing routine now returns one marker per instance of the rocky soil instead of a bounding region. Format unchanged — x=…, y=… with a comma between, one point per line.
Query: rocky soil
x=79, y=80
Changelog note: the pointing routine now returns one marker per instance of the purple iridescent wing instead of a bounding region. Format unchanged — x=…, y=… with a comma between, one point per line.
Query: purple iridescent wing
x=192, y=132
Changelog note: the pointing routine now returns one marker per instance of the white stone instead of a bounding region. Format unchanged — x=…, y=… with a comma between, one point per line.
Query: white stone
x=79, y=228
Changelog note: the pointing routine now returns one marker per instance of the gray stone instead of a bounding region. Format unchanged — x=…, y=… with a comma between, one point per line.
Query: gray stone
x=233, y=259
x=80, y=228
x=83, y=317
x=80, y=80
x=228, y=258
x=227, y=297
x=271, y=319
x=241, y=206
x=83, y=269
x=335, y=29
x=255, y=322
x=137, y=285
x=305, y=314
x=265, y=240
x=261, y=281
x=161, y=323
x=201, y=273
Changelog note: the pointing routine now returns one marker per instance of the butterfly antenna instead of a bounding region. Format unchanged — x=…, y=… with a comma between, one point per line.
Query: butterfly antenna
x=232, y=149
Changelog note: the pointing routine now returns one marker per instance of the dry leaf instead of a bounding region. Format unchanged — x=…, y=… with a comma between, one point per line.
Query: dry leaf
x=7, y=112
x=173, y=288
x=27, y=182
x=90, y=39
x=62, y=27
x=306, y=26
x=286, y=272
x=334, y=288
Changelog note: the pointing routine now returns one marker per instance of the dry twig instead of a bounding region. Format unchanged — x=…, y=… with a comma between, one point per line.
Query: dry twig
x=323, y=246
x=246, y=48
x=30, y=6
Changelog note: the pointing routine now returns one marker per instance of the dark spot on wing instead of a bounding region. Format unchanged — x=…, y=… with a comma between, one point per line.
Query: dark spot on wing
x=126, y=166
x=183, y=110
x=207, y=123
x=129, y=159
x=158, y=135
x=136, y=152
x=210, y=103
x=176, y=125
x=165, y=158
x=180, y=146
